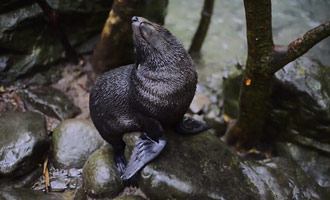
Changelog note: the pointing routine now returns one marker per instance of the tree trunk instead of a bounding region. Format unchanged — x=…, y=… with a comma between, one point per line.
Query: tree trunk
x=203, y=27
x=264, y=59
x=115, y=47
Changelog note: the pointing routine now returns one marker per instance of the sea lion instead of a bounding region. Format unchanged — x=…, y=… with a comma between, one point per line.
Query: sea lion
x=148, y=96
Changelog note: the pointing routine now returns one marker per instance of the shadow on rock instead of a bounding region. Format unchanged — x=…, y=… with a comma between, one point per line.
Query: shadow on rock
x=203, y=167
x=23, y=143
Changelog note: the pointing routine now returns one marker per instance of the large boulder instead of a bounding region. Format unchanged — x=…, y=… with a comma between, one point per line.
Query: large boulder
x=196, y=167
x=26, y=194
x=74, y=140
x=314, y=163
x=203, y=167
x=51, y=102
x=100, y=176
x=128, y=198
x=301, y=104
x=23, y=142
x=30, y=41
x=299, y=107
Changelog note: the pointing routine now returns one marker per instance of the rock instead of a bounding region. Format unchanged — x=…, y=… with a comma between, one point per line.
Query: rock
x=203, y=167
x=26, y=194
x=61, y=180
x=216, y=123
x=200, y=100
x=58, y=186
x=23, y=142
x=25, y=181
x=196, y=167
x=47, y=77
x=30, y=41
x=128, y=198
x=311, y=162
x=299, y=104
x=74, y=172
x=51, y=102
x=74, y=140
x=281, y=179
x=100, y=175
x=130, y=140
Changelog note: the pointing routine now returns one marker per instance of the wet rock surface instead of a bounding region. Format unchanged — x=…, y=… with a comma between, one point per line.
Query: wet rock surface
x=74, y=140
x=25, y=181
x=128, y=198
x=30, y=42
x=100, y=175
x=23, y=142
x=60, y=180
x=314, y=163
x=51, y=102
x=280, y=178
x=299, y=106
x=203, y=167
x=196, y=167
x=26, y=194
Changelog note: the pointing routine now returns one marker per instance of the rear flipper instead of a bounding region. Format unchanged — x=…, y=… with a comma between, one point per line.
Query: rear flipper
x=145, y=150
x=121, y=162
x=190, y=126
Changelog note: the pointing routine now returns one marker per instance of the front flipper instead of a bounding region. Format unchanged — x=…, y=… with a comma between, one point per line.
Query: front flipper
x=190, y=126
x=145, y=150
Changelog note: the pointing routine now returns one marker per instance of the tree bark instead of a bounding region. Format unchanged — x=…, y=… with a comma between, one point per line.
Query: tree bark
x=264, y=59
x=115, y=47
x=203, y=27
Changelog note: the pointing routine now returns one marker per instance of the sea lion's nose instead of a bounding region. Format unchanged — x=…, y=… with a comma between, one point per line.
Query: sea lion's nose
x=135, y=19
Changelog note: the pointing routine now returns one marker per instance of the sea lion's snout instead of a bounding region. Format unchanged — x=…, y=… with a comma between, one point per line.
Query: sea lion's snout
x=142, y=27
x=138, y=20
x=135, y=19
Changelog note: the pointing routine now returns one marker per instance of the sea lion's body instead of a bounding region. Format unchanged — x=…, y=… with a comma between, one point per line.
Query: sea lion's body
x=147, y=96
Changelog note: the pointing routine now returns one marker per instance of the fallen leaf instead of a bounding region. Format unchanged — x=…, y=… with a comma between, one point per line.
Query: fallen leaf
x=2, y=89
x=226, y=118
x=12, y=101
x=19, y=101
x=46, y=173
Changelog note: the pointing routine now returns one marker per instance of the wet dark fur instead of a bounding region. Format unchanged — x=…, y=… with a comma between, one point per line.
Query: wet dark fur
x=160, y=85
x=158, y=89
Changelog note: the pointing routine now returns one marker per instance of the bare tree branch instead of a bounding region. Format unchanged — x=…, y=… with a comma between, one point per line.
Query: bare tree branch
x=203, y=26
x=285, y=54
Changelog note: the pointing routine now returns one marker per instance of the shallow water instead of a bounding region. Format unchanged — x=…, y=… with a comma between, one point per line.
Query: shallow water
x=225, y=44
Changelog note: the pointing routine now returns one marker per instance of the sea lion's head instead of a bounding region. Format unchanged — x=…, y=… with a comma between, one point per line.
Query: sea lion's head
x=155, y=45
